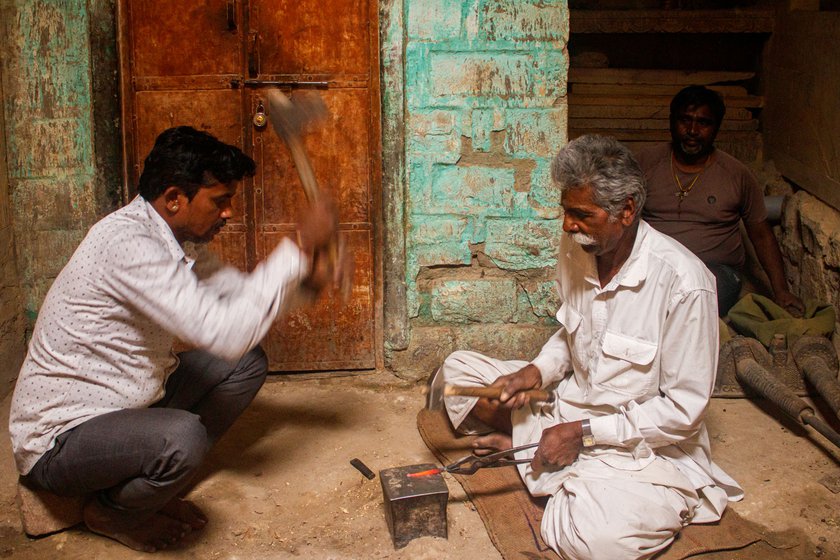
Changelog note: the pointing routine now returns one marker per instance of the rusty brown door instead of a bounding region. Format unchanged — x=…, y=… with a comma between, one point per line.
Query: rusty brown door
x=207, y=64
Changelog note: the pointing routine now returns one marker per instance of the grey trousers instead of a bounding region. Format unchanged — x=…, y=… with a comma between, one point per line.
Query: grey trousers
x=136, y=460
x=728, y=285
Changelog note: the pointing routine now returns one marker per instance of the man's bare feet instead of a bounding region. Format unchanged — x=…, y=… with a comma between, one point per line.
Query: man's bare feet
x=186, y=512
x=152, y=534
x=485, y=445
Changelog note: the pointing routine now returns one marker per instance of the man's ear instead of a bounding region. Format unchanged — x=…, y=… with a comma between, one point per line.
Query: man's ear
x=173, y=199
x=628, y=213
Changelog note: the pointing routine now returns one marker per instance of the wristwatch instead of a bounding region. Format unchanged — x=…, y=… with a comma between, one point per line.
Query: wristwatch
x=587, y=437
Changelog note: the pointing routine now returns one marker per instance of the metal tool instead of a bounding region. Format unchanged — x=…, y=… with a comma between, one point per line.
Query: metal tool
x=471, y=463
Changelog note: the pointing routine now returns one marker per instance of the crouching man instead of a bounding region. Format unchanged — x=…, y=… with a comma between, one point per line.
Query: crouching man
x=103, y=406
x=623, y=451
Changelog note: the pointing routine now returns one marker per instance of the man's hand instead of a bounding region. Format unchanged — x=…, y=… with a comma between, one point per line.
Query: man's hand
x=560, y=446
x=514, y=385
x=318, y=228
x=318, y=237
x=790, y=303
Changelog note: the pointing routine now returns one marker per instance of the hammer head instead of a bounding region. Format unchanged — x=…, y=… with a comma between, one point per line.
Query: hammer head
x=288, y=117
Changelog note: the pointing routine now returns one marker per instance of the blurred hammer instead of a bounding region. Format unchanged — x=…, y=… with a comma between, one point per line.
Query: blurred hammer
x=438, y=390
x=288, y=120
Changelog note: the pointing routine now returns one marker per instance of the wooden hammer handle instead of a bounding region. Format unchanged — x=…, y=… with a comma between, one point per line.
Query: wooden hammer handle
x=493, y=393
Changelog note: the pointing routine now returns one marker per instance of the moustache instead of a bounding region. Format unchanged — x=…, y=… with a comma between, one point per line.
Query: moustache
x=583, y=239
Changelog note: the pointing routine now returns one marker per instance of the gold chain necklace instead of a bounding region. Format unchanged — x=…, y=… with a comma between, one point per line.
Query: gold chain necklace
x=683, y=191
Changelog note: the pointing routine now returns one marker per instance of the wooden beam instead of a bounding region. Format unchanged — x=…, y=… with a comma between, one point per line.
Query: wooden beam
x=662, y=77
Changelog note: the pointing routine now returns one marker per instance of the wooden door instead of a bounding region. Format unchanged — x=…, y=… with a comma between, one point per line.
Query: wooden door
x=207, y=64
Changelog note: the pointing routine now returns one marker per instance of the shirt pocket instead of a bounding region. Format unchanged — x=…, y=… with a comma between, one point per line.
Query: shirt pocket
x=570, y=319
x=626, y=364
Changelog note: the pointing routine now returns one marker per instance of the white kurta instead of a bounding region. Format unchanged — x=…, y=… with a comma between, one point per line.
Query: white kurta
x=638, y=357
x=103, y=339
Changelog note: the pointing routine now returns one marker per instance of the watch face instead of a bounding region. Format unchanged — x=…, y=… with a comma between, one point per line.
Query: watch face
x=588, y=441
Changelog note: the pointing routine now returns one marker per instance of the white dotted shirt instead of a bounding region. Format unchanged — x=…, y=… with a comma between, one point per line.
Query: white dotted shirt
x=104, y=334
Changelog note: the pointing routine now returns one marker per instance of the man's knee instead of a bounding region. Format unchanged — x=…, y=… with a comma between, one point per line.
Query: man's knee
x=583, y=527
x=183, y=443
x=254, y=364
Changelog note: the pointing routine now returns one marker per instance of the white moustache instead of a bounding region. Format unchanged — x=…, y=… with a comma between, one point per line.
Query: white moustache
x=583, y=239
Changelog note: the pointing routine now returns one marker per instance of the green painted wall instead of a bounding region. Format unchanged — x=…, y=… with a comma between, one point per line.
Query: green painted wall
x=59, y=86
x=484, y=111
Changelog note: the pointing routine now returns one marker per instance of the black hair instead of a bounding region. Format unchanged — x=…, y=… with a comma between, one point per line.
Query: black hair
x=698, y=96
x=189, y=159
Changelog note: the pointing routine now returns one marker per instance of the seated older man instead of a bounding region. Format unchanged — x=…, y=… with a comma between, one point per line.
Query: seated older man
x=623, y=450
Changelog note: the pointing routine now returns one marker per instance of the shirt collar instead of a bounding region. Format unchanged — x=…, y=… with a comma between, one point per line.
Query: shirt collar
x=165, y=231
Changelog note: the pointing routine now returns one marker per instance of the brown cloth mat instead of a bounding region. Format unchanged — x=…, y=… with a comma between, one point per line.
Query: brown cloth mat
x=512, y=517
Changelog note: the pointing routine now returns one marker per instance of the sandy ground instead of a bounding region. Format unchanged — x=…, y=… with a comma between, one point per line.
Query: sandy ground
x=280, y=484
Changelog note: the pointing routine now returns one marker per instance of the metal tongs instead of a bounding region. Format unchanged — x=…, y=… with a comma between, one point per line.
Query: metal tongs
x=471, y=463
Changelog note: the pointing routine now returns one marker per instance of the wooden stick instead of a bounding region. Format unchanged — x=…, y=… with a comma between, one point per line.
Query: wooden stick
x=493, y=393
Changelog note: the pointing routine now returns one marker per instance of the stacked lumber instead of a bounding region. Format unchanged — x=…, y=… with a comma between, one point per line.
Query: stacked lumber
x=632, y=105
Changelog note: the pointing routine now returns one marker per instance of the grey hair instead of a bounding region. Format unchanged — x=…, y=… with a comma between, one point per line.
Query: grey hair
x=607, y=166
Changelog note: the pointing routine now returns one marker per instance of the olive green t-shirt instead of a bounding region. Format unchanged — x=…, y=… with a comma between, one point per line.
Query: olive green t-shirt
x=705, y=220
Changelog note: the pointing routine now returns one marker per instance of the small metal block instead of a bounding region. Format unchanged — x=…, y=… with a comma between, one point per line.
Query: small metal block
x=414, y=507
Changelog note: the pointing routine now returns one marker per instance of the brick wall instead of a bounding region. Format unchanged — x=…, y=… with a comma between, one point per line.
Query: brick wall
x=485, y=111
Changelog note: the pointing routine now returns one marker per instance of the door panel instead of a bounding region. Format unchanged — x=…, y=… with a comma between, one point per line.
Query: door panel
x=312, y=37
x=203, y=63
x=185, y=37
x=337, y=149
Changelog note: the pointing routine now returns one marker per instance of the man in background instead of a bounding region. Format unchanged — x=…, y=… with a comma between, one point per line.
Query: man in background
x=698, y=195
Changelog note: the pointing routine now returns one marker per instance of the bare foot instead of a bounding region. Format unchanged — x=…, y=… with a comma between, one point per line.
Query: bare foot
x=152, y=534
x=185, y=512
x=485, y=445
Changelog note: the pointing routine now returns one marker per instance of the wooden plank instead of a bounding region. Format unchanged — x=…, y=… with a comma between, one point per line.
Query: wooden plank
x=660, y=135
x=661, y=77
x=750, y=20
x=651, y=124
x=641, y=112
x=749, y=101
x=641, y=89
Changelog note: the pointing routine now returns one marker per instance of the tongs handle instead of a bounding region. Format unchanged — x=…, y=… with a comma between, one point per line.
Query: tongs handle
x=471, y=463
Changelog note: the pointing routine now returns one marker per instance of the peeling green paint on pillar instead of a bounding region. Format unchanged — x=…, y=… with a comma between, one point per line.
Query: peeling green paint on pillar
x=485, y=111
x=49, y=115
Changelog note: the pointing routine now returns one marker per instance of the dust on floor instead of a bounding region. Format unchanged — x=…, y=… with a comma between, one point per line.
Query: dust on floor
x=280, y=484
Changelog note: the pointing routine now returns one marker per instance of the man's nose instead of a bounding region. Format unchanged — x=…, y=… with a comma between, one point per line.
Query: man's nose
x=227, y=212
x=569, y=225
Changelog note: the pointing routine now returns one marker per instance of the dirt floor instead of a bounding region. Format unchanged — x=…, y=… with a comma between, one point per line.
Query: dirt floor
x=280, y=484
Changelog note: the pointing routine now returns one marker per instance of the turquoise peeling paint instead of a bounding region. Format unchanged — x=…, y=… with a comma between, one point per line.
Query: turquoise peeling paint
x=48, y=116
x=477, y=71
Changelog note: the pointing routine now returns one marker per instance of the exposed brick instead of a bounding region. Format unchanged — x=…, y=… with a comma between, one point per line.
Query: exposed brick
x=434, y=20
x=524, y=20
x=475, y=190
x=505, y=342
x=485, y=121
x=532, y=74
x=544, y=197
x=428, y=347
x=536, y=132
x=440, y=240
x=434, y=135
x=522, y=244
x=464, y=301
